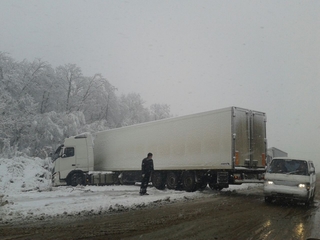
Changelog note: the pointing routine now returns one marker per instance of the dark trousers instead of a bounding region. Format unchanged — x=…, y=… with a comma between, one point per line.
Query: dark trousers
x=144, y=183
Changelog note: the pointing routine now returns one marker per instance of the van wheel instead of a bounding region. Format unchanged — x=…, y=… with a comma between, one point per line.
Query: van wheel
x=77, y=179
x=310, y=200
x=314, y=193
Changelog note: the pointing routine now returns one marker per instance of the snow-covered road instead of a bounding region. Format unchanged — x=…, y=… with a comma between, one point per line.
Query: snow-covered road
x=27, y=194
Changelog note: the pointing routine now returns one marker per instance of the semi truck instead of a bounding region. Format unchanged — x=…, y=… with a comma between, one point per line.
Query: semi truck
x=218, y=147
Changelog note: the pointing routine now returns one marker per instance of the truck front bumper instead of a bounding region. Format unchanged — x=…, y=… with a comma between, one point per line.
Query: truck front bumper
x=56, y=181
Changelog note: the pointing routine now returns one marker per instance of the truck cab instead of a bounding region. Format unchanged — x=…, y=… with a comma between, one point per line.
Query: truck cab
x=290, y=179
x=72, y=160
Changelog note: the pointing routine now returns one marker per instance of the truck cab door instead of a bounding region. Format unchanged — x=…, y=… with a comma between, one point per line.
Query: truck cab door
x=67, y=161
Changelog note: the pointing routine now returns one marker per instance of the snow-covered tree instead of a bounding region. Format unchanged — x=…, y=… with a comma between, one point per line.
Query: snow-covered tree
x=50, y=129
x=159, y=111
x=99, y=101
x=17, y=107
x=69, y=75
x=132, y=110
x=40, y=106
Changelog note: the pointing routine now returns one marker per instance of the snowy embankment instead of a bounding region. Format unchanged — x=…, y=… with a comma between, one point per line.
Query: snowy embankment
x=26, y=194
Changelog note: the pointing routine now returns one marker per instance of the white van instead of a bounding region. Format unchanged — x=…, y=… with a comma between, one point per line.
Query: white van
x=290, y=179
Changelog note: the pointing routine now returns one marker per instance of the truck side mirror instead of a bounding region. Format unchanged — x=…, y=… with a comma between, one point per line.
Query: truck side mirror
x=312, y=170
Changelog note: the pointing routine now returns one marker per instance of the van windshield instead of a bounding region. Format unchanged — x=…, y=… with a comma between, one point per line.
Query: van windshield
x=288, y=166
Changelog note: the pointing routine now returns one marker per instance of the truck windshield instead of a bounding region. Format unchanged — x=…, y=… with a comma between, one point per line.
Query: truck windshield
x=298, y=167
x=56, y=153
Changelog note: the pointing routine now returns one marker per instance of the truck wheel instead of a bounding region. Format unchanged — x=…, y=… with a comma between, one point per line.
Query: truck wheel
x=172, y=180
x=158, y=180
x=189, y=181
x=77, y=179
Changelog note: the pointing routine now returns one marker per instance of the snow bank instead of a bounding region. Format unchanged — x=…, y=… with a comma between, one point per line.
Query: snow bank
x=26, y=194
x=22, y=174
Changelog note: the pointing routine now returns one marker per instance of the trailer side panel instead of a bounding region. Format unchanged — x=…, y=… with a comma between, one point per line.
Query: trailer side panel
x=198, y=141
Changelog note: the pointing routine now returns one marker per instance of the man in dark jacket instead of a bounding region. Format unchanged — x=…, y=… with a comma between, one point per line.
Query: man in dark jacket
x=146, y=170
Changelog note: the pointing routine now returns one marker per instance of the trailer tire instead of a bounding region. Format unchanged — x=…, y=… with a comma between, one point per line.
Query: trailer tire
x=76, y=179
x=189, y=181
x=172, y=180
x=158, y=180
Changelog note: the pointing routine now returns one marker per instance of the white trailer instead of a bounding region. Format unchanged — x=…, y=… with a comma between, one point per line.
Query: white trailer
x=217, y=148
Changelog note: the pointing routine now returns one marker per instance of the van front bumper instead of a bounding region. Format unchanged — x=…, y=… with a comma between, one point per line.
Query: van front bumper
x=299, y=193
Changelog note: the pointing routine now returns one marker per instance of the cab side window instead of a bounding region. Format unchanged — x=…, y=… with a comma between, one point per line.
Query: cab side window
x=69, y=152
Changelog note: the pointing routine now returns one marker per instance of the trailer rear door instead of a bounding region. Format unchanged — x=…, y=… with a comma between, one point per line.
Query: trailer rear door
x=258, y=139
x=249, y=134
x=241, y=136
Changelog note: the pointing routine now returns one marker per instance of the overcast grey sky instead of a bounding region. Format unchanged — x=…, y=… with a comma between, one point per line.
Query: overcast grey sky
x=192, y=55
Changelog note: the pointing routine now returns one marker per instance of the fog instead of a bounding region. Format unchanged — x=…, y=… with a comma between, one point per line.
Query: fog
x=193, y=55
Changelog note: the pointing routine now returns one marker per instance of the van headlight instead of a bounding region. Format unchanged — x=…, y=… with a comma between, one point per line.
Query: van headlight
x=304, y=185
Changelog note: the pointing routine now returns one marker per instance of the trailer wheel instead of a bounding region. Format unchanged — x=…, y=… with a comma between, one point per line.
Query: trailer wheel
x=172, y=180
x=189, y=181
x=77, y=179
x=158, y=180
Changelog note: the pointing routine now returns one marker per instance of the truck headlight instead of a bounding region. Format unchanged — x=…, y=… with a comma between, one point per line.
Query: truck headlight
x=269, y=182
